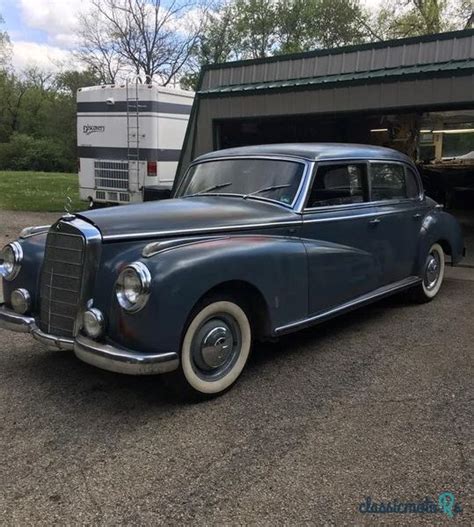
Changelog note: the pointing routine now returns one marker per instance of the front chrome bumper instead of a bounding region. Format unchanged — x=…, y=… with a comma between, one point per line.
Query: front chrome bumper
x=104, y=356
x=121, y=360
x=23, y=324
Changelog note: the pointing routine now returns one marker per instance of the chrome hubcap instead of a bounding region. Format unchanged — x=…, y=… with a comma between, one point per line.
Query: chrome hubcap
x=433, y=269
x=215, y=346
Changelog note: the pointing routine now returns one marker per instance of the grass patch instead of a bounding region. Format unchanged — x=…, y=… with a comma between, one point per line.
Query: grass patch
x=39, y=191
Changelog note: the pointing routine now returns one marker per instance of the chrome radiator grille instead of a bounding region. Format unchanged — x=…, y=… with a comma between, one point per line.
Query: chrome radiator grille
x=111, y=175
x=61, y=281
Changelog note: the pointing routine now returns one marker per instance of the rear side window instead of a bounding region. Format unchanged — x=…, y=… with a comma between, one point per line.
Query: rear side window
x=338, y=185
x=387, y=181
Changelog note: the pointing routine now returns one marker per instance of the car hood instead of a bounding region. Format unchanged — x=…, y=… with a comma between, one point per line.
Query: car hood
x=170, y=217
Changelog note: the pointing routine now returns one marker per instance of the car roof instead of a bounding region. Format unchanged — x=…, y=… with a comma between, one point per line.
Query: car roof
x=312, y=152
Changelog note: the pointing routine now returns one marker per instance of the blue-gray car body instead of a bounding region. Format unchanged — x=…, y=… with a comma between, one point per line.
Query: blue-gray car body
x=297, y=265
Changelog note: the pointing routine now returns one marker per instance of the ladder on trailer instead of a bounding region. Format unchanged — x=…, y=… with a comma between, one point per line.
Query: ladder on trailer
x=133, y=132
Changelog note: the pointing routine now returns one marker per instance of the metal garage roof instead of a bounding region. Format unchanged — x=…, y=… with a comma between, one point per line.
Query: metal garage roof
x=450, y=68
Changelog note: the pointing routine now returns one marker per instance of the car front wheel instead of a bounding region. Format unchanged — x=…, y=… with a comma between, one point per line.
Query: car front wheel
x=433, y=274
x=215, y=347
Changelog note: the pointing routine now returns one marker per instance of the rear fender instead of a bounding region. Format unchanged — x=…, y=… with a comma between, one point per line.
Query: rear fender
x=439, y=227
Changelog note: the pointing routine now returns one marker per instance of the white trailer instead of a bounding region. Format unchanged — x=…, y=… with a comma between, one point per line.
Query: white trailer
x=129, y=140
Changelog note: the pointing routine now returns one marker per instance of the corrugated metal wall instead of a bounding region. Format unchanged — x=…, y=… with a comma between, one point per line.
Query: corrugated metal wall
x=333, y=62
x=393, y=95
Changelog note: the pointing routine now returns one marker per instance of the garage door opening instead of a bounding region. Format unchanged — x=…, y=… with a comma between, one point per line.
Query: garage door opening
x=440, y=142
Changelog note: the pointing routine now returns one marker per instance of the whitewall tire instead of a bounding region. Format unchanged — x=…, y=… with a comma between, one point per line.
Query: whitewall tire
x=433, y=271
x=216, y=347
x=432, y=276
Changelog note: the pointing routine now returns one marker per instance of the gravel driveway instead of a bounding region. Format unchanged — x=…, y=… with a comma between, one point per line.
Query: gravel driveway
x=377, y=403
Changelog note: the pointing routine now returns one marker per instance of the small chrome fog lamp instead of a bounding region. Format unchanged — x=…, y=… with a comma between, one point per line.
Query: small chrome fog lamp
x=93, y=323
x=21, y=301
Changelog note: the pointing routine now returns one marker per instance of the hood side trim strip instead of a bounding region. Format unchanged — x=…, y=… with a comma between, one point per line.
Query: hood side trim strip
x=152, y=234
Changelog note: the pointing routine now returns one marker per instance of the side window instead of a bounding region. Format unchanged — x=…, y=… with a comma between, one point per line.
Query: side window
x=412, y=185
x=387, y=181
x=338, y=185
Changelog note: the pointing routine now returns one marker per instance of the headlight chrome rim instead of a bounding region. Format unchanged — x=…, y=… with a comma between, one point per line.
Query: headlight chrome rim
x=98, y=318
x=144, y=277
x=21, y=301
x=17, y=252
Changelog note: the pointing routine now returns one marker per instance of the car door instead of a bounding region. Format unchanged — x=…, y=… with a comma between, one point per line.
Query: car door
x=338, y=236
x=396, y=192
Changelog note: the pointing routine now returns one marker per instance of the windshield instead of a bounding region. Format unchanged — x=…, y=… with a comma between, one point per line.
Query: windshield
x=274, y=179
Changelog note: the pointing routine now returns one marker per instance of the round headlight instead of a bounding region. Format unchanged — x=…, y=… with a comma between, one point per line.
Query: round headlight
x=21, y=301
x=11, y=257
x=133, y=287
x=93, y=323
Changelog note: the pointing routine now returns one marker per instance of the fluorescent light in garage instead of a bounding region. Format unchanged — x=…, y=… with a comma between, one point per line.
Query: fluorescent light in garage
x=379, y=130
x=458, y=131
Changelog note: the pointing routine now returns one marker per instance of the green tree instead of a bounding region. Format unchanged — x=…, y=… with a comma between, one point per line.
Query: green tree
x=38, y=108
x=246, y=29
x=310, y=24
x=398, y=19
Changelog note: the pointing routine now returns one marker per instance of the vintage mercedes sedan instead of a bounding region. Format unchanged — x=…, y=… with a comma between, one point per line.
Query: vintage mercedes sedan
x=256, y=242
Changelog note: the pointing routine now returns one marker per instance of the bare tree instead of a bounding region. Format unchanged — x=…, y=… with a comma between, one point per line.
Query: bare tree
x=98, y=50
x=143, y=37
x=5, y=46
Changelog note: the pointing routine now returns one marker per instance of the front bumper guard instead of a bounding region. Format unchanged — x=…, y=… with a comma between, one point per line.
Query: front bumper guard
x=104, y=356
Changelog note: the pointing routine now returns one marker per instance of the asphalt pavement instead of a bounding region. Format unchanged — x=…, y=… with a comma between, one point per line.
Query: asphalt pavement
x=377, y=403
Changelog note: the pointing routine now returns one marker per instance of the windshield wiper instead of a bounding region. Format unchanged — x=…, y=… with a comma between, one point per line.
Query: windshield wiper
x=208, y=189
x=265, y=189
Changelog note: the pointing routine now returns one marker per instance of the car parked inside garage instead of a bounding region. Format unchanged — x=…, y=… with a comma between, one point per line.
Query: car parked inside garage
x=256, y=242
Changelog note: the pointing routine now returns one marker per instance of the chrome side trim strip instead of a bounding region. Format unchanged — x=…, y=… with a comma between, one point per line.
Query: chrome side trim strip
x=119, y=360
x=153, y=234
x=364, y=299
x=28, y=232
x=378, y=213
x=156, y=247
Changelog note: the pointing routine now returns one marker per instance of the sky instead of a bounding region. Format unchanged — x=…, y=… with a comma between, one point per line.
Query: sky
x=42, y=31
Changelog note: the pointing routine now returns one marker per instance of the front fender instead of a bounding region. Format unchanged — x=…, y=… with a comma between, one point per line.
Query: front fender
x=28, y=278
x=276, y=266
x=440, y=227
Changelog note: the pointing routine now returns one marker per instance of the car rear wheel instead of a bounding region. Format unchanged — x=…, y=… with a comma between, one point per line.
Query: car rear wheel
x=433, y=274
x=216, y=346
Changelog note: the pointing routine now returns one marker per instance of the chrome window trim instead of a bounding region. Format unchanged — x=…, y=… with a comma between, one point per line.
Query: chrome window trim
x=327, y=162
x=293, y=159
x=327, y=208
x=405, y=166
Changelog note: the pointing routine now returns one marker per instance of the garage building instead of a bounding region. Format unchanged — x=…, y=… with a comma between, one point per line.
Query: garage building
x=415, y=95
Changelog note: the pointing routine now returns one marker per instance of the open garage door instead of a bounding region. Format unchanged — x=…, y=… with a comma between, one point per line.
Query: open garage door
x=441, y=142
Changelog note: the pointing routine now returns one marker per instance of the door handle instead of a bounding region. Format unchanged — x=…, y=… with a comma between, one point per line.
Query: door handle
x=416, y=216
x=375, y=221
